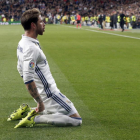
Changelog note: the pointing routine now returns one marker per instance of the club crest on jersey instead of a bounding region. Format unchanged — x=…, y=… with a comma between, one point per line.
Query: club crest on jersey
x=31, y=64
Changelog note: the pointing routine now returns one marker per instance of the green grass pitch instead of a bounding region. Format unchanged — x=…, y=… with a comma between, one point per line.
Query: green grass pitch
x=99, y=72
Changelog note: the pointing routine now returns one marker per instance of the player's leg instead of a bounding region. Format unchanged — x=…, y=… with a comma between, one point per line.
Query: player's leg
x=77, y=25
x=80, y=25
x=54, y=119
x=60, y=111
x=58, y=120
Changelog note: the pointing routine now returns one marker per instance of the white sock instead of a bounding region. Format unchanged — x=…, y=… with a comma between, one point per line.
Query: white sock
x=58, y=120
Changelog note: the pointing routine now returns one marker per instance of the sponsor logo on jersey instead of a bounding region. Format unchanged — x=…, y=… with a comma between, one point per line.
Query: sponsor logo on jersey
x=32, y=64
x=68, y=101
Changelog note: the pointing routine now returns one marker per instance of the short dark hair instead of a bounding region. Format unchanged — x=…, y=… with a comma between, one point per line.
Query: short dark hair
x=28, y=17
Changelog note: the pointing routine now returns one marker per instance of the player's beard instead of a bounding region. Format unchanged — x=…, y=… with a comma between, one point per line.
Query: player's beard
x=40, y=30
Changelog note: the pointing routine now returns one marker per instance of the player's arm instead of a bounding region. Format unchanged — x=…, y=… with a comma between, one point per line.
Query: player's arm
x=29, y=61
x=34, y=93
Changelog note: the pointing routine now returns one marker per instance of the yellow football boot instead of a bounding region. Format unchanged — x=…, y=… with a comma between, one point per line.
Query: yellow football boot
x=28, y=121
x=19, y=113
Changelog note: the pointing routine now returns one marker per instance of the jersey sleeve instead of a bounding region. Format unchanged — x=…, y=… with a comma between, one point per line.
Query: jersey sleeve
x=29, y=62
x=19, y=68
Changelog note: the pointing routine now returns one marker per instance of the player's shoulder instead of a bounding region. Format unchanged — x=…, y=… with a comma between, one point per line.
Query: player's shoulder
x=28, y=44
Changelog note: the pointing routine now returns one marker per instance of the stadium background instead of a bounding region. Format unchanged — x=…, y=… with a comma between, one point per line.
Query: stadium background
x=63, y=11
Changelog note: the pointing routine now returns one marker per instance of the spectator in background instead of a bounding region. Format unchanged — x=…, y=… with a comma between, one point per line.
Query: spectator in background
x=104, y=20
x=3, y=16
x=84, y=7
x=122, y=20
x=138, y=23
x=114, y=18
x=46, y=20
x=133, y=18
x=0, y=17
x=68, y=19
x=72, y=18
x=100, y=19
x=111, y=21
x=4, y=19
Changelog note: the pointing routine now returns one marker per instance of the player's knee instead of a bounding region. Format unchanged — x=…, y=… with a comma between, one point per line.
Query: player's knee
x=78, y=122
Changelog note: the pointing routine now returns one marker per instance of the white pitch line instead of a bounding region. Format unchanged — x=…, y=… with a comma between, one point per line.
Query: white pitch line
x=114, y=34
x=105, y=33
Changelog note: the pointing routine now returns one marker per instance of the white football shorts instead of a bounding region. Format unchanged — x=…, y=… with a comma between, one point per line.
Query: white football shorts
x=58, y=104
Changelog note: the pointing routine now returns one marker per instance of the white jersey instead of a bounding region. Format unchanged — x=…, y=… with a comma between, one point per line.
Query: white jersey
x=33, y=66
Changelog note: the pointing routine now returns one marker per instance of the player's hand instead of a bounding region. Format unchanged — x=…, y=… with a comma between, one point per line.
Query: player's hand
x=40, y=107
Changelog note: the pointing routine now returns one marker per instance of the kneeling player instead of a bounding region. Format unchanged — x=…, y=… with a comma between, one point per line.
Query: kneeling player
x=52, y=106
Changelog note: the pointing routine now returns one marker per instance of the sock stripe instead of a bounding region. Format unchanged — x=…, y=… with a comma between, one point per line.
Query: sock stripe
x=76, y=118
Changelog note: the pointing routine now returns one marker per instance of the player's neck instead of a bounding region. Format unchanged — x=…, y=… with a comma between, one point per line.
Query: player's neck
x=30, y=34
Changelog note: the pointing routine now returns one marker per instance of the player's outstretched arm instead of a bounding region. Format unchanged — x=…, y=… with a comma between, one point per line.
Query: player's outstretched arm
x=34, y=93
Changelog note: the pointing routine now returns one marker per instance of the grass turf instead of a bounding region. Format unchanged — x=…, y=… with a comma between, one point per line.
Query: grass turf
x=99, y=72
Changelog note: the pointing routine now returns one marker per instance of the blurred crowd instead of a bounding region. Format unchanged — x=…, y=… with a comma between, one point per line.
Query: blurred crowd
x=56, y=10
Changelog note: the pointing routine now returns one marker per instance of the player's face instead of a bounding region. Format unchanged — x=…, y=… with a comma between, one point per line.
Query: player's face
x=40, y=26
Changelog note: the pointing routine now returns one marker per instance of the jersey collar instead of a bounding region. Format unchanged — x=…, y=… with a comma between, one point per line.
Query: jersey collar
x=29, y=38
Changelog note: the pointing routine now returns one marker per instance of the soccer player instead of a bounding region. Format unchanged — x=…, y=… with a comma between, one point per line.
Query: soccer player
x=78, y=19
x=52, y=106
